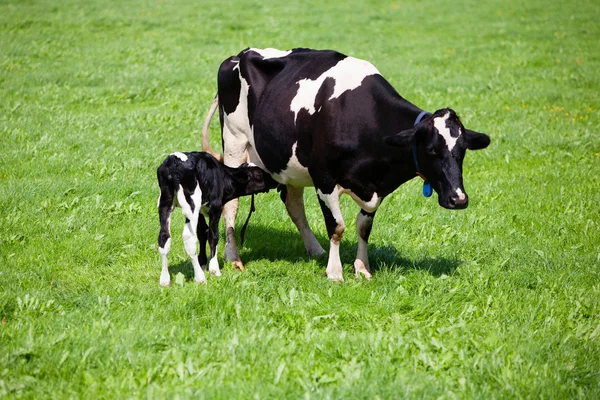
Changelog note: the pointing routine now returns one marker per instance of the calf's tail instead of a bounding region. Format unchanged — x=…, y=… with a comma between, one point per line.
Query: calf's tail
x=205, y=143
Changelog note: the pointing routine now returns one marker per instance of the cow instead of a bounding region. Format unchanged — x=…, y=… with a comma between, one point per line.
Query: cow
x=200, y=185
x=321, y=118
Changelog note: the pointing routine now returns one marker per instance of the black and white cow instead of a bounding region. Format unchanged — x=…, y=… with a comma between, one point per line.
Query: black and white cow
x=322, y=119
x=200, y=185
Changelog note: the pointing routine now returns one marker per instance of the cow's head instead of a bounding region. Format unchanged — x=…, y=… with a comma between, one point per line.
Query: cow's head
x=440, y=142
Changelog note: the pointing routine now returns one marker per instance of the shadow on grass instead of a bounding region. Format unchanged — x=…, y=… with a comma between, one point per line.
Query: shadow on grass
x=264, y=243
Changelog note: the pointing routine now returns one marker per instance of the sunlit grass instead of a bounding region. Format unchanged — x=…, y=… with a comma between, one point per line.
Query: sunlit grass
x=499, y=300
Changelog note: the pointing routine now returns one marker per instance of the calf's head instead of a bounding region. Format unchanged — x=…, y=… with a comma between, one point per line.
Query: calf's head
x=438, y=144
x=251, y=179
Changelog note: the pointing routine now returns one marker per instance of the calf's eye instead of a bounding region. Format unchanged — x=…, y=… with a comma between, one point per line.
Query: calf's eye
x=431, y=151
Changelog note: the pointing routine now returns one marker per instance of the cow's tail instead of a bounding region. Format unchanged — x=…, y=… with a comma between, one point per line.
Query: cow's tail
x=205, y=143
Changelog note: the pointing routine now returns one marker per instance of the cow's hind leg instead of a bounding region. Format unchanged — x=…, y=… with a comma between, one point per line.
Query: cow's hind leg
x=330, y=205
x=294, y=203
x=165, y=208
x=191, y=211
x=364, y=222
x=234, y=156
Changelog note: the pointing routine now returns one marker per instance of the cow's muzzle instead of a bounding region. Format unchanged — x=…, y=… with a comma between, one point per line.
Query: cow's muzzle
x=457, y=202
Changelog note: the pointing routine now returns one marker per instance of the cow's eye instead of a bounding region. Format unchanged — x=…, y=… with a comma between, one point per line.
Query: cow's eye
x=431, y=151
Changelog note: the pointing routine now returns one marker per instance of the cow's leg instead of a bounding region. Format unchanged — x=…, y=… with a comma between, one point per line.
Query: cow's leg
x=330, y=205
x=294, y=203
x=213, y=239
x=364, y=222
x=165, y=208
x=234, y=156
x=191, y=211
x=202, y=233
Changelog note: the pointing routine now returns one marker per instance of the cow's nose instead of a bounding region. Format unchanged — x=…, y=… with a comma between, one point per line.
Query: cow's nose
x=459, y=200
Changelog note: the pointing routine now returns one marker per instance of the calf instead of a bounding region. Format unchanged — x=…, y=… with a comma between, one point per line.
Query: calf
x=200, y=185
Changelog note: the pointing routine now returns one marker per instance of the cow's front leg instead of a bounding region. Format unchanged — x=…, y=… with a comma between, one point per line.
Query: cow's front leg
x=294, y=203
x=364, y=222
x=213, y=239
x=330, y=205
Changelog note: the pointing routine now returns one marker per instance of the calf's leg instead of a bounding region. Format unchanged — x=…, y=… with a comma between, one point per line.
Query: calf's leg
x=202, y=232
x=191, y=211
x=213, y=239
x=165, y=208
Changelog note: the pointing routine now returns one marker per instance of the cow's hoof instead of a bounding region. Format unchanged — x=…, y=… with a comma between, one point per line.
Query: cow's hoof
x=238, y=265
x=334, y=277
x=201, y=281
x=165, y=284
x=315, y=252
x=361, y=268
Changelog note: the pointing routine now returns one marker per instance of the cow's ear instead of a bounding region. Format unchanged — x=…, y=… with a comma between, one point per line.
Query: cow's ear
x=476, y=140
x=403, y=139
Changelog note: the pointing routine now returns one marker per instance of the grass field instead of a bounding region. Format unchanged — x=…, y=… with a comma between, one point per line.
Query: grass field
x=501, y=300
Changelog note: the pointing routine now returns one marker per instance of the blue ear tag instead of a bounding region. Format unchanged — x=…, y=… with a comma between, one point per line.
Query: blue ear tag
x=427, y=192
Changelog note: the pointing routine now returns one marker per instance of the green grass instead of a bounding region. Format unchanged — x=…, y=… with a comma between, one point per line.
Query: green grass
x=501, y=300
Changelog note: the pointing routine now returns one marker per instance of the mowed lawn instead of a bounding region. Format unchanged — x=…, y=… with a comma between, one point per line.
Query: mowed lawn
x=501, y=300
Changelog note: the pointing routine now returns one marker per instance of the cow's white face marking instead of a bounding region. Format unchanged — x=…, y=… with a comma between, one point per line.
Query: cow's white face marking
x=348, y=75
x=180, y=155
x=440, y=125
x=294, y=174
x=271, y=53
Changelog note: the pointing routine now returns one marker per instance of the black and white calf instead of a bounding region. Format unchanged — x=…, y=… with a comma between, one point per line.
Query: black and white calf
x=200, y=185
x=322, y=119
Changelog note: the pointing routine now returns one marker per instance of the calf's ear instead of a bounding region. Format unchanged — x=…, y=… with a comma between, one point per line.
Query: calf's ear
x=476, y=140
x=403, y=139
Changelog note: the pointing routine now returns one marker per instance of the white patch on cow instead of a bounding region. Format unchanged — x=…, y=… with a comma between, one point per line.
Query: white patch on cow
x=440, y=125
x=294, y=174
x=332, y=201
x=369, y=206
x=180, y=155
x=238, y=135
x=460, y=193
x=348, y=75
x=271, y=53
x=213, y=266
